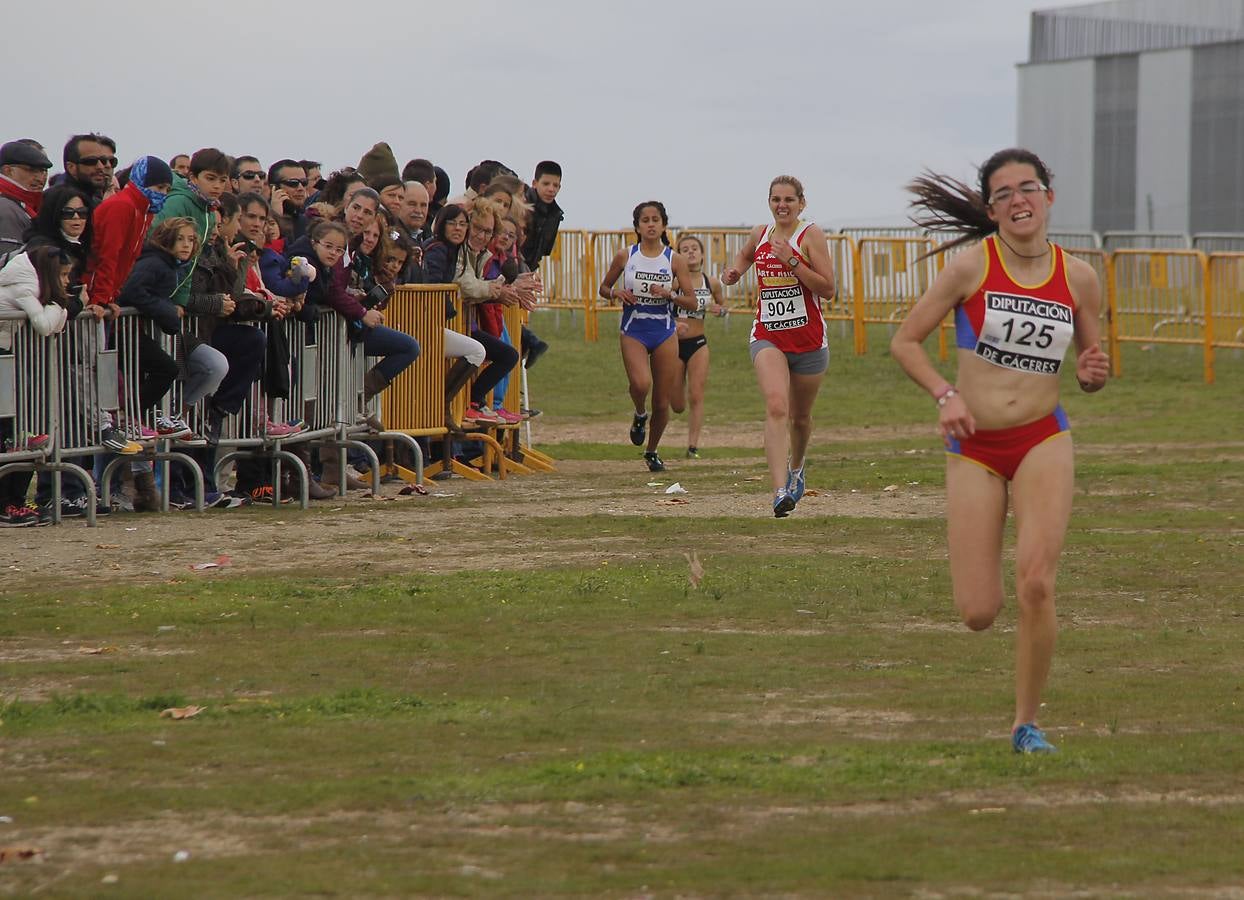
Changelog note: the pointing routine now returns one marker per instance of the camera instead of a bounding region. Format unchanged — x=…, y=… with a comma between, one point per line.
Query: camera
x=377, y=297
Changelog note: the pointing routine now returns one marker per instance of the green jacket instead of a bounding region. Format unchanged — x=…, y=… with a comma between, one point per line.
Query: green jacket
x=183, y=201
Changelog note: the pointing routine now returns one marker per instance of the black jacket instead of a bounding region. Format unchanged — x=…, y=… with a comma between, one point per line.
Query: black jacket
x=546, y=218
x=149, y=289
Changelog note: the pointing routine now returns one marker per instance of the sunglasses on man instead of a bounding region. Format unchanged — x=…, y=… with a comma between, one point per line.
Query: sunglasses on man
x=109, y=161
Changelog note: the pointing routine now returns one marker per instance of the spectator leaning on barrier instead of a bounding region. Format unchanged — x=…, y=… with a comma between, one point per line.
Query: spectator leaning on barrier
x=546, y=215
x=121, y=224
x=64, y=222
x=196, y=199
x=23, y=175
x=413, y=218
x=90, y=160
x=33, y=282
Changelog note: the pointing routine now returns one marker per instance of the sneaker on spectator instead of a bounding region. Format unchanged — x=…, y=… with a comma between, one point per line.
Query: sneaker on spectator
x=180, y=501
x=264, y=496
x=238, y=498
x=529, y=413
x=215, y=425
x=172, y=428
x=474, y=413
x=37, y=441
x=69, y=509
x=506, y=416
x=115, y=440
x=280, y=429
x=136, y=431
x=19, y=517
x=226, y=500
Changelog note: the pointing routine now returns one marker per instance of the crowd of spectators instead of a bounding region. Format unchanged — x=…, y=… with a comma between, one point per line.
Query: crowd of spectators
x=210, y=250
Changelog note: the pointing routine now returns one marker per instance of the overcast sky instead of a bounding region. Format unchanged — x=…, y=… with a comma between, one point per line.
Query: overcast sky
x=697, y=103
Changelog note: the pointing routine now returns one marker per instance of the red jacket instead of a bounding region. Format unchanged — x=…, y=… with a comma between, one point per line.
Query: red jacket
x=120, y=224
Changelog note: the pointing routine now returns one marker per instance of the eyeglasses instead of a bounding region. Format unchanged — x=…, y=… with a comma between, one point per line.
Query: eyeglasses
x=483, y=232
x=75, y=212
x=329, y=248
x=294, y=182
x=251, y=176
x=1003, y=196
x=109, y=161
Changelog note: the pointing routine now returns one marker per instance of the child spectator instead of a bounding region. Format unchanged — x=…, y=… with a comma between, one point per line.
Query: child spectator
x=197, y=200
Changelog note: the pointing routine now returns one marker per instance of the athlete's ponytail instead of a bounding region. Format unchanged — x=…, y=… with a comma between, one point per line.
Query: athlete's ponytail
x=660, y=208
x=945, y=205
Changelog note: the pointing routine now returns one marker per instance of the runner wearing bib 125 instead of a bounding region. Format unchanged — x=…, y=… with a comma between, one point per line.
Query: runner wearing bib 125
x=788, y=342
x=649, y=270
x=1018, y=303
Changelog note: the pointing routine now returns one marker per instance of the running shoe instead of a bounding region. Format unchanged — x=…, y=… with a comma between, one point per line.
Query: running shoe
x=783, y=503
x=653, y=461
x=795, y=483
x=481, y=415
x=180, y=501
x=138, y=432
x=263, y=496
x=693, y=453
x=506, y=416
x=113, y=439
x=530, y=413
x=1028, y=738
x=172, y=428
x=279, y=429
x=37, y=441
x=19, y=517
x=639, y=429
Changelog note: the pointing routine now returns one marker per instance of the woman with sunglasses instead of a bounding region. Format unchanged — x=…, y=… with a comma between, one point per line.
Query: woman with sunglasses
x=1019, y=301
x=64, y=222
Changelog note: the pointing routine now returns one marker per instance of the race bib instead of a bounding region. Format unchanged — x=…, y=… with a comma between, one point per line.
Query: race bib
x=1025, y=333
x=782, y=308
x=646, y=281
x=703, y=300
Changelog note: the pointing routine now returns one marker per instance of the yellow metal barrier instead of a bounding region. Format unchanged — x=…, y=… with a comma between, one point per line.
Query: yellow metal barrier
x=415, y=402
x=1161, y=297
x=1226, y=291
x=889, y=278
x=567, y=284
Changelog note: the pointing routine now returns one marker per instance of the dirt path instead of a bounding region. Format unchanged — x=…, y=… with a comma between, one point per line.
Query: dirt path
x=415, y=533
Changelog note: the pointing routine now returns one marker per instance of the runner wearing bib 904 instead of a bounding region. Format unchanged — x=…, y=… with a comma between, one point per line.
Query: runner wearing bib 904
x=649, y=270
x=693, y=352
x=1018, y=302
x=788, y=344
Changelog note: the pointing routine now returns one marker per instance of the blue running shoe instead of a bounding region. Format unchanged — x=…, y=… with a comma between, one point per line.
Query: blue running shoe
x=795, y=483
x=1028, y=738
x=783, y=503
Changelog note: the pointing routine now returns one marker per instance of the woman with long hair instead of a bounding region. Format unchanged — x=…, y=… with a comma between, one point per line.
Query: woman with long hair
x=788, y=346
x=1018, y=301
x=692, y=344
x=649, y=270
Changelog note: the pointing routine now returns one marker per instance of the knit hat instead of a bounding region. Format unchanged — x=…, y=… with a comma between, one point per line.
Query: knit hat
x=158, y=172
x=377, y=161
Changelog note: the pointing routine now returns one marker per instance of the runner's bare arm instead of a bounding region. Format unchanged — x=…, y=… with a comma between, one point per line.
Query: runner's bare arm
x=686, y=289
x=818, y=274
x=1092, y=363
x=607, y=290
x=744, y=258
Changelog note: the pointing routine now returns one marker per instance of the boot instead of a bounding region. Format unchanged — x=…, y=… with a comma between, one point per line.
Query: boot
x=315, y=490
x=455, y=380
x=146, y=497
x=374, y=382
x=329, y=454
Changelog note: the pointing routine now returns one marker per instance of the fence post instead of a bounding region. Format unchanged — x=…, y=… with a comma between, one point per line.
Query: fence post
x=1208, y=305
x=857, y=262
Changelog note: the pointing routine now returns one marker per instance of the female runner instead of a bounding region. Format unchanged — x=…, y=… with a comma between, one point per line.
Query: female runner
x=788, y=344
x=649, y=347
x=692, y=344
x=1018, y=302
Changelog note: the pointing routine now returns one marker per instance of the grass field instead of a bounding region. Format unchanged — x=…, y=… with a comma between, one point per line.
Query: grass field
x=517, y=690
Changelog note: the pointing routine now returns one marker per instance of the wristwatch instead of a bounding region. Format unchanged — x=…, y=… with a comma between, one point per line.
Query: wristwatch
x=793, y=262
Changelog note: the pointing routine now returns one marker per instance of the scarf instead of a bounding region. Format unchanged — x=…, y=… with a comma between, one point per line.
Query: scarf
x=138, y=178
x=29, y=201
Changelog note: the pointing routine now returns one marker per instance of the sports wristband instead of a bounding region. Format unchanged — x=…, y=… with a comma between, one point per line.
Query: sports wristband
x=946, y=394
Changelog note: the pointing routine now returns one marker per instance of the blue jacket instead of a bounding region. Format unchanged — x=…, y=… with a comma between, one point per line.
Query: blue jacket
x=150, y=286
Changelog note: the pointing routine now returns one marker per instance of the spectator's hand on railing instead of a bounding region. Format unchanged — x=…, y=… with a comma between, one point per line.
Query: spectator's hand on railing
x=280, y=308
x=527, y=300
x=296, y=303
x=228, y=305
x=97, y=312
x=181, y=312
x=114, y=311
x=373, y=317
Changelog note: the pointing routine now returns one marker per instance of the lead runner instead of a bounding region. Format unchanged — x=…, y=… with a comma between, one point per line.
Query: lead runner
x=788, y=343
x=1019, y=301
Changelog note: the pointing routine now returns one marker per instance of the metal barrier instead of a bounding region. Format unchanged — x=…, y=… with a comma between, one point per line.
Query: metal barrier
x=886, y=231
x=1079, y=240
x=30, y=385
x=567, y=283
x=1160, y=297
x=1145, y=240
x=1226, y=299
x=890, y=277
x=1218, y=242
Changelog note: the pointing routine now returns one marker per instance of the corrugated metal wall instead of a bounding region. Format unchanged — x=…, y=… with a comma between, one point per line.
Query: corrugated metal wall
x=1131, y=26
x=1217, y=170
x=1114, y=143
